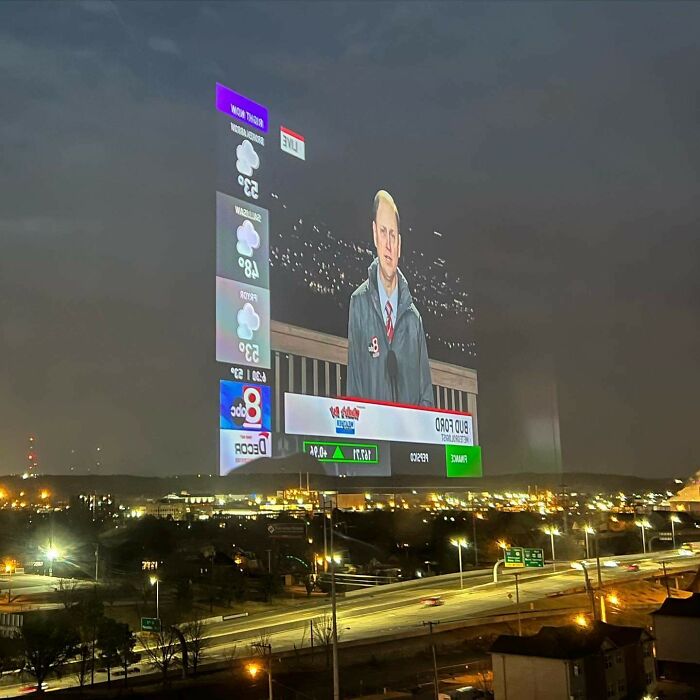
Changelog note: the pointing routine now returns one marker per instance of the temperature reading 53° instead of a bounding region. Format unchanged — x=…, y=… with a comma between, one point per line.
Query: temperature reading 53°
x=250, y=187
x=250, y=351
x=250, y=268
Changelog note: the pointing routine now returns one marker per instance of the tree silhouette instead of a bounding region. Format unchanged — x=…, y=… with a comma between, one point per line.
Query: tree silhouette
x=49, y=641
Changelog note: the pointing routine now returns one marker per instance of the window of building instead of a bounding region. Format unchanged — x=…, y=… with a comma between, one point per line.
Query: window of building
x=650, y=678
x=343, y=380
x=611, y=690
x=608, y=661
x=647, y=650
x=621, y=687
x=577, y=669
x=618, y=658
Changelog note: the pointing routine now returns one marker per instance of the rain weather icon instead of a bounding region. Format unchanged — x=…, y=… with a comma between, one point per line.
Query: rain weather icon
x=248, y=322
x=248, y=239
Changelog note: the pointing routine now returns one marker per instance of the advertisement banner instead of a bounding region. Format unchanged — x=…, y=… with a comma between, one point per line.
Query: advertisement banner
x=375, y=420
x=463, y=460
x=238, y=447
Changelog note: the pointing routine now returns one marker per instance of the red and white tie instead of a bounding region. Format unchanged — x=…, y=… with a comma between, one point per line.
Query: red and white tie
x=389, y=323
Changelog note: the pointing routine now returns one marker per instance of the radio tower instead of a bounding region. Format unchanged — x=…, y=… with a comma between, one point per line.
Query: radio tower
x=32, y=458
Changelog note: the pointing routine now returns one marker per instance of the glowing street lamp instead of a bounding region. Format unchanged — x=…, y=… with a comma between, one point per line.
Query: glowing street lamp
x=588, y=530
x=460, y=542
x=52, y=554
x=253, y=670
x=674, y=519
x=155, y=581
x=581, y=620
x=643, y=525
x=552, y=532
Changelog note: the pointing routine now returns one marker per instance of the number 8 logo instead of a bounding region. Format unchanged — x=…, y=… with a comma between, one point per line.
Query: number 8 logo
x=253, y=405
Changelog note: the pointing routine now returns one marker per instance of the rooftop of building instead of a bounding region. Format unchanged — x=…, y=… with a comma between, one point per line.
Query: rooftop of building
x=680, y=607
x=569, y=641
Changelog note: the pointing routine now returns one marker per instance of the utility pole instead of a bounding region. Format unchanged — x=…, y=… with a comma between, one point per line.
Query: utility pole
x=517, y=604
x=436, y=678
x=597, y=561
x=668, y=589
x=97, y=561
x=334, y=612
x=476, y=549
x=325, y=546
x=591, y=594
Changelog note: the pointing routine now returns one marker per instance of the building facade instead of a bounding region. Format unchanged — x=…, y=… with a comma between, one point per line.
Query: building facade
x=602, y=662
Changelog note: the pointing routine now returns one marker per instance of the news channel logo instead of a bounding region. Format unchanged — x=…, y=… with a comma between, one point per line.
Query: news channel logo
x=244, y=406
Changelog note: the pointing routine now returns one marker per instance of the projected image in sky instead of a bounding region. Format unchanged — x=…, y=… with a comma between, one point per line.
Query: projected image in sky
x=380, y=290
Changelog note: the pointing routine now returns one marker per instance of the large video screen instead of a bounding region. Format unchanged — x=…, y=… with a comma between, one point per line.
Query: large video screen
x=352, y=263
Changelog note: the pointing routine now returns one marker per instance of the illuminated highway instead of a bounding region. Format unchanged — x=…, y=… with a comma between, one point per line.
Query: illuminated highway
x=397, y=610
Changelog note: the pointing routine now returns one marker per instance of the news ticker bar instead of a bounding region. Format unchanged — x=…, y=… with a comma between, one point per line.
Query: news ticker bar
x=455, y=460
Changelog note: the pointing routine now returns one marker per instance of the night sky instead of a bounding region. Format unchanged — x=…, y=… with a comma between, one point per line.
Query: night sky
x=559, y=144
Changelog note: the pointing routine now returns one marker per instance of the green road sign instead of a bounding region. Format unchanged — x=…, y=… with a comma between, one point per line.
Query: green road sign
x=514, y=558
x=463, y=460
x=534, y=557
x=150, y=624
x=344, y=452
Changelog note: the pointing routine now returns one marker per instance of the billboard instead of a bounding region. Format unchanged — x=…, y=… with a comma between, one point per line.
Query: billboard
x=366, y=266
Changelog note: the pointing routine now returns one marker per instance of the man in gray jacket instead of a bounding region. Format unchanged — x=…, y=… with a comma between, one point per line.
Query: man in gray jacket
x=387, y=353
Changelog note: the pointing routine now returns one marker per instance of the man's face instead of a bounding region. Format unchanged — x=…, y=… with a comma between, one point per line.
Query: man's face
x=387, y=241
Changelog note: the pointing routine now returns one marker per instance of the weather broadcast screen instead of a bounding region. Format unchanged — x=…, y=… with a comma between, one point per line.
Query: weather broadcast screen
x=337, y=316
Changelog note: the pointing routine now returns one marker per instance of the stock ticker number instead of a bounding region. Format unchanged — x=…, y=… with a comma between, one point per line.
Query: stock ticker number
x=318, y=451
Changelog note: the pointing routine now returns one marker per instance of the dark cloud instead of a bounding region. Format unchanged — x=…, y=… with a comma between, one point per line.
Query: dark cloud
x=563, y=158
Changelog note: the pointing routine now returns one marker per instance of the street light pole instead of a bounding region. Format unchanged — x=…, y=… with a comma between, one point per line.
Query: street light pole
x=643, y=525
x=476, y=550
x=461, y=576
x=551, y=531
x=155, y=581
x=460, y=542
x=334, y=613
x=586, y=531
x=674, y=519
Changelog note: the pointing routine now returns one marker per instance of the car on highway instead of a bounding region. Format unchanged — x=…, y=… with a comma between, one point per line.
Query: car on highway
x=32, y=688
x=611, y=564
x=432, y=601
x=631, y=567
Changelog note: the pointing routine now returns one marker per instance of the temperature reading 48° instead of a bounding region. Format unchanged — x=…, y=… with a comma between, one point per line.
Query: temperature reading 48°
x=249, y=267
x=250, y=351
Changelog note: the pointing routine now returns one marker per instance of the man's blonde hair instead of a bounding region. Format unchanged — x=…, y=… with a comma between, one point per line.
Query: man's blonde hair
x=384, y=196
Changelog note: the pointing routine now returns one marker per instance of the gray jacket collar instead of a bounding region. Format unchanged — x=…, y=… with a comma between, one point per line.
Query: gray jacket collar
x=405, y=298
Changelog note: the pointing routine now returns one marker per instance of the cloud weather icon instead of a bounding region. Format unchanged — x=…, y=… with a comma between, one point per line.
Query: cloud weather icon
x=248, y=239
x=248, y=321
x=247, y=159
